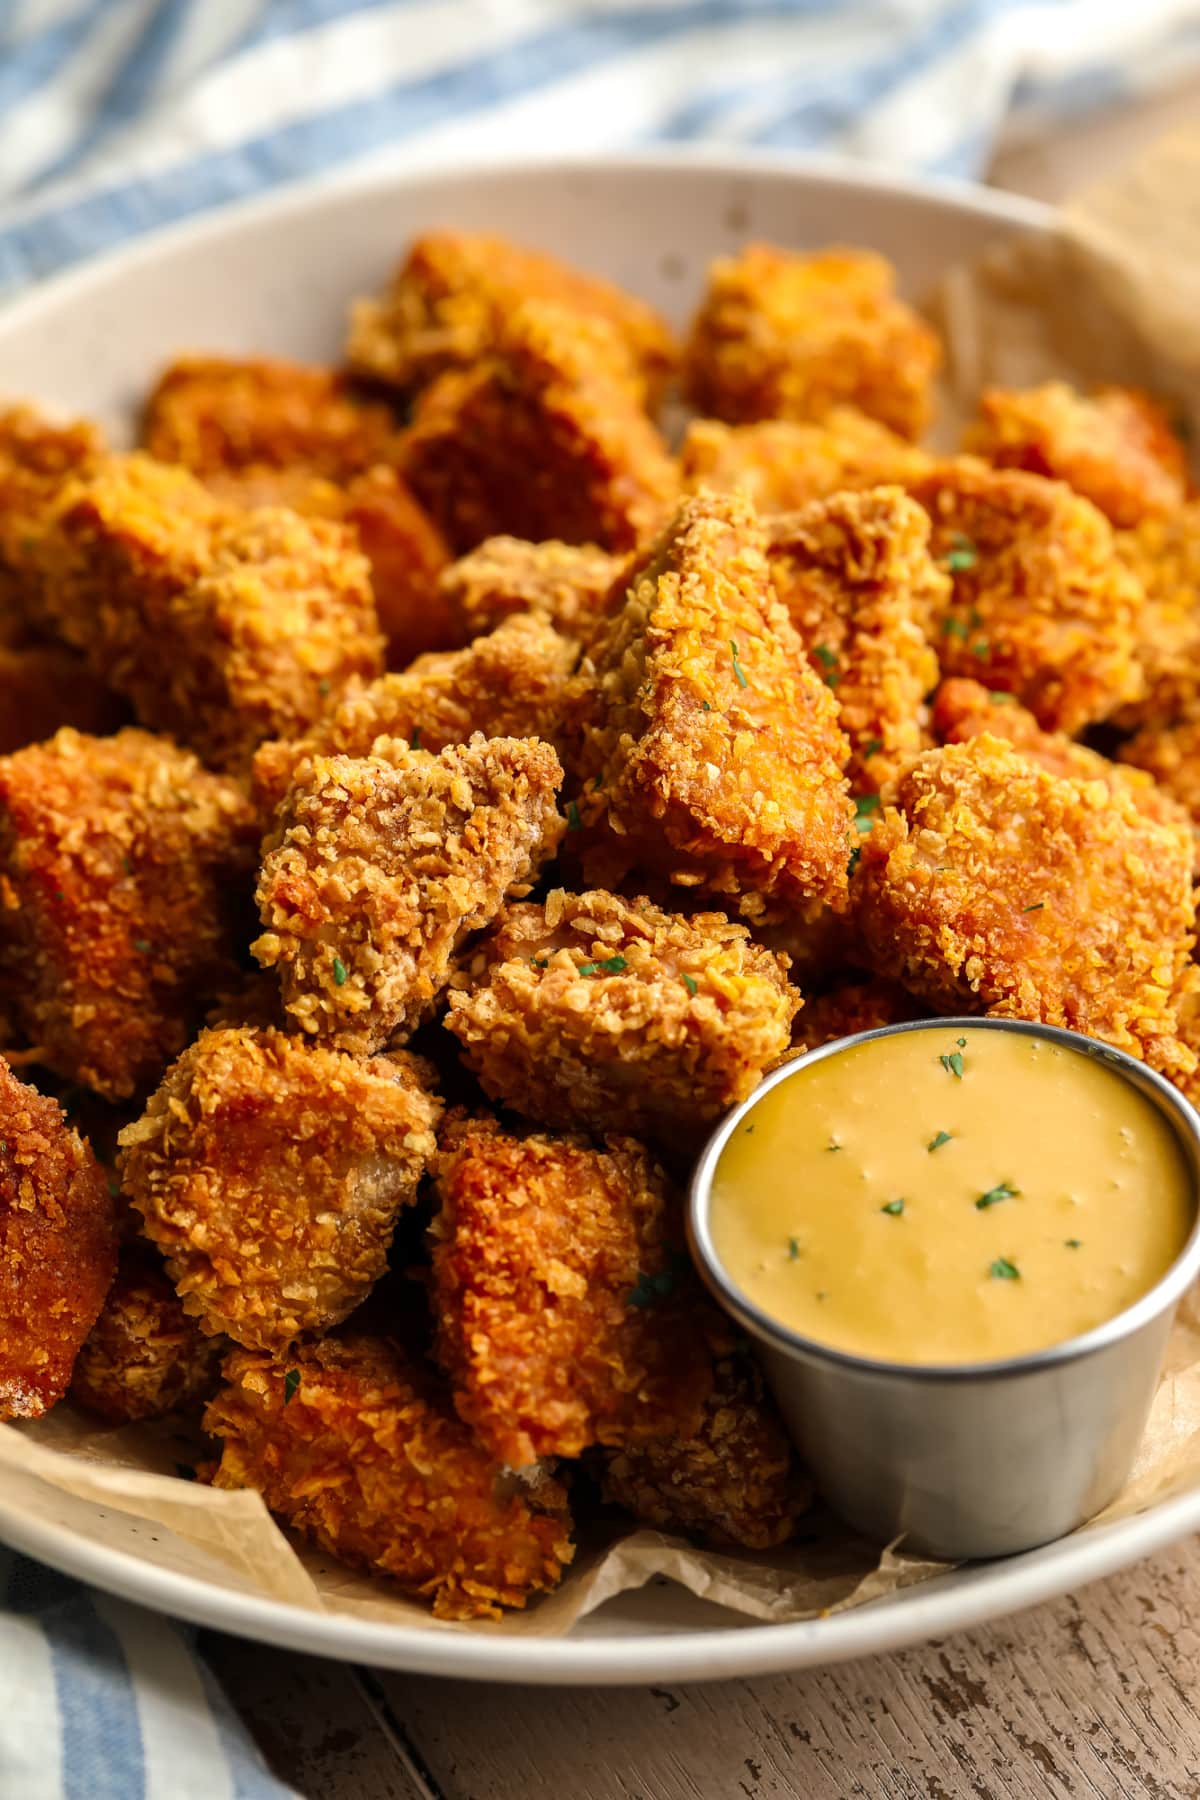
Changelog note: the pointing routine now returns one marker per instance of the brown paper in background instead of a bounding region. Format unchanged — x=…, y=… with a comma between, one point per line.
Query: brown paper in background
x=1113, y=295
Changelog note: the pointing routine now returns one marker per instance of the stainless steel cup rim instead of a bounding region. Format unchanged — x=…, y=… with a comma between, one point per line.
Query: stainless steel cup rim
x=1165, y=1293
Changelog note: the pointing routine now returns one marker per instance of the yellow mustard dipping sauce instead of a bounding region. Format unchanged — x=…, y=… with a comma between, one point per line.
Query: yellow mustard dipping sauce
x=950, y=1196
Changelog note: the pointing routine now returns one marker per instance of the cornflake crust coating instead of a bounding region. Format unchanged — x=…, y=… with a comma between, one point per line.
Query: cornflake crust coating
x=121, y=868
x=221, y=627
x=785, y=335
x=1041, y=606
x=567, y=1311
x=512, y=683
x=568, y=585
x=376, y=871
x=1170, y=756
x=449, y=301
x=783, y=464
x=993, y=886
x=602, y=1014
x=1115, y=447
x=1164, y=556
x=213, y=413
x=145, y=1357
x=58, y=1248
x=731, y=1482
x=36, y=457
x=43, y=686
x=860, y=586
x=270, y=1171
x=544, y=439
x=711, y=752
x=352, y=1445
x=865, y=1004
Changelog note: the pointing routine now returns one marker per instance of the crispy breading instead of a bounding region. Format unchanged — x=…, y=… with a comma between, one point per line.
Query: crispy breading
x=544, y=439
x=1164, y=556
x=734, y=1480
x=855, y=574
x=567, y=1311
x=855, y=1005
x=43, y=686
x=512, y=683
x=376, y=871
x=1170, y=756
x=783, y=464
x=1114, y=446
x=993, y=886
x=214, y=413
x=222, y=627
x=270, y=1172
x=58, y=1247
x=123, y=865
x=595, y=1013
x=353, y=1445
x=36, y=458
x=784, y=334
x=145, y=1356
x=568, y=585
x=448, y=303
x=710, y=752
x=1041, y=605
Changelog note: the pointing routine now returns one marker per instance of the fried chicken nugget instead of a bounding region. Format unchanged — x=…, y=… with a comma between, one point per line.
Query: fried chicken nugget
x=270, y=1172
x=568, y=585
x=512, y=683
x=1170, y=756
x=376, y=871
x=121, y=865
x=860, y=586
x=782, y=334
x=600, y=1014
x=145, y=1356
x=544, y=439
x=993, y=886
x=448, y=304
x=352, y=1444
x=783, y=464
x=221, y=627
x=567, y=1311
x=1115, y=446
x=1164, y=556
x=734, y=1481
x=710, y=752
x=58, y=1247
x=44, y=686
x=1041, y=605
x=37, y=457
x=854, y=1006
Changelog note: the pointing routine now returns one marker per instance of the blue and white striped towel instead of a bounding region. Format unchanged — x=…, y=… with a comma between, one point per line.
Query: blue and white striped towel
x=117, y=116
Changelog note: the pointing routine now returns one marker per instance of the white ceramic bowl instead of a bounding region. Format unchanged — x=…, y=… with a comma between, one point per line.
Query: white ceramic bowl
x=277, y=276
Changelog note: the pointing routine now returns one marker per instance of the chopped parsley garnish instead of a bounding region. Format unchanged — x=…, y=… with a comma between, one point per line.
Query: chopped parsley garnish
x=114, y=1186
x=1073, y=1243
x=689, y=982
x=738, y=670
x=598, y=780
x=954, y=628
x=339, y=972
x=323, y=686
x=980, y=647
x=855, y=854
x=822, y=1293
x=1003, y=1190
x=828, y=662
x=707, y=705
x=894, y=1208
x=961, y=1042
x=872, y=747
x=612, y=965
x=414, y=742
x=864, y=806
x=126, y=866
x=999, y=698
x=587, y=968
x=793, y=1249
x=540, y=962
x=962, y=553
x=1037, y=906
x=953, y=1064
x=291, y=1386
x=935, y=1143
x=649, y=1288
x=749, y=1129
x=834, y=1145
x=573, y=821
x=1003, y=1270
x=142, y=944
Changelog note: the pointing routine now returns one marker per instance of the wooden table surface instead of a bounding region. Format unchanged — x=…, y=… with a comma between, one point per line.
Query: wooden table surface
x=1092, y=1697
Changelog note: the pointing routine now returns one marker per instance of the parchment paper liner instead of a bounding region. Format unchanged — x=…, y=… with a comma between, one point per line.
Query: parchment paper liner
x=1113, y=295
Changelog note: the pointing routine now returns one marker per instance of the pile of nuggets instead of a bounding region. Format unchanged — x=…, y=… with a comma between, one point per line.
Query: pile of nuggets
x=429, y=800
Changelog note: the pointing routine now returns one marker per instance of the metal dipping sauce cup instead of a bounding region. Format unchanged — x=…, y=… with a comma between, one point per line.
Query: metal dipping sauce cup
x=963, y=1460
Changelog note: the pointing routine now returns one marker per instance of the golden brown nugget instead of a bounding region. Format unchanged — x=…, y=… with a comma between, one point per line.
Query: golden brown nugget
x=221, y=627
x=37, y=457
x=783, y=464
x=596, y=1013
x=544, y=439
x=448, y=304
x=145, y=1356
x=43, y=686
x=270, y=1172
x=376, y=871
x=860, y=586
x=1115, y=446
x=567, y=1311
x=1041, y=606
x=123, y=865
x=732, y=1481
x=1164, y=556
x=352, y=1443
x=513, y=683
x=782, y=334
x=854, y=1006
x=568, y=585
x=1170, y=756
x=710, y=752
x=992, y=886
x=58, y=1248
